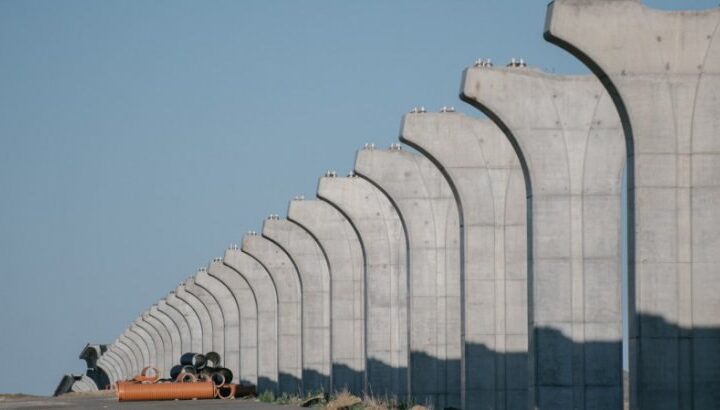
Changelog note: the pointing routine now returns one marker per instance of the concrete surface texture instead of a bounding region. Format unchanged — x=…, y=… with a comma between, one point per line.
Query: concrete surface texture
x=158, y=359
x=265, y=293
x=130, y=353
x=247, y=306
x=340, y=246
x=166, y=363
x=216, y=316
x=191, y=318
x=202, y=313
x=664, y=70
x=426, y=206
x=114, y=355
x=384, y=245
x=230, y=314
x=148, y=343
x=568, y=134
x=484, y=173
x=289, y=308
x=174, y=349
x=307, y=257
x=180, y=323
x=138, y=347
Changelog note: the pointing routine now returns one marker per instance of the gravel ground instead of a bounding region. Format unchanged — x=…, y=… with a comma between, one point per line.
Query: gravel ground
x=110, y=402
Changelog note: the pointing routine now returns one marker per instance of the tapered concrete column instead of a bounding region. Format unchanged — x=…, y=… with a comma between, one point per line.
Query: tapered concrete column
x=159, y=348
x=231, y=314
x=488, y=184
x=341, y=246
x=131, y=353
x=191, y=318
x=267, y=331
x=247, y=304
x=311, y=265
x=175, y=347
x=116, y=357
x=202, y=313
x=148, y=344
x=138, y=346
x=216, y=315
x=663, y=69
x=168, y=358
x=427, y=208
x=385, y=252
x=568, y=134
x=287, y=282
x=180, y=322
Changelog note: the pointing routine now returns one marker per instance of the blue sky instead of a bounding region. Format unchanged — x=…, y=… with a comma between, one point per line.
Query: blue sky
x=139, y=139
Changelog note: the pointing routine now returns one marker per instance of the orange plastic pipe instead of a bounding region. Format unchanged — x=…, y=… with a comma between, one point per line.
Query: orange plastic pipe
x=165, y=391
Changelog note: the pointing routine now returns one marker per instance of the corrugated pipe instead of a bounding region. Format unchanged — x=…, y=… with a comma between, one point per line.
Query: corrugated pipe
x=165, y=391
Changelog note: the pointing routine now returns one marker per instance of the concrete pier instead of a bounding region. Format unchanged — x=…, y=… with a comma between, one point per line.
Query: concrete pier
x=149, y=343
x=173, y=351
x=216, y=315
x=167, y=360
x=129, y=353
x=247, y=305
x=230, y=314
x=384, y=245
x=287, y=284
x=663, y=70
x=341, y=247
x=245, y=349
x=114, y=355
x=425, y=204
x=180, y=322
x=203, y=315
x=192, y=319
x=484, y=173
x=159, y=358
x=265, y=293
x=307, y=257
x=570, y=143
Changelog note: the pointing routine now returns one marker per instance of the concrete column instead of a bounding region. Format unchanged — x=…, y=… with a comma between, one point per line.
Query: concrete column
x=159, y=347
x=148, y=344
x=192, y=319
x=202, y=313
x=117, y=358
x=216, y=315
x=168, y=358
x=311, y=265
x=429, y=213
x=230, y=311
x=484, y=173
x=180, y=322
x=138, y=346
x=571, y=146
x=341, y=247
x=267, y=329
x=384, y=244
x=247, y=305
x=131, y=354
x=172, y=329
x=663, y=70
x=287, y=283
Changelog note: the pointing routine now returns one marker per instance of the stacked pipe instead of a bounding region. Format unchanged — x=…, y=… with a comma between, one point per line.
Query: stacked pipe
x=197, y=376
